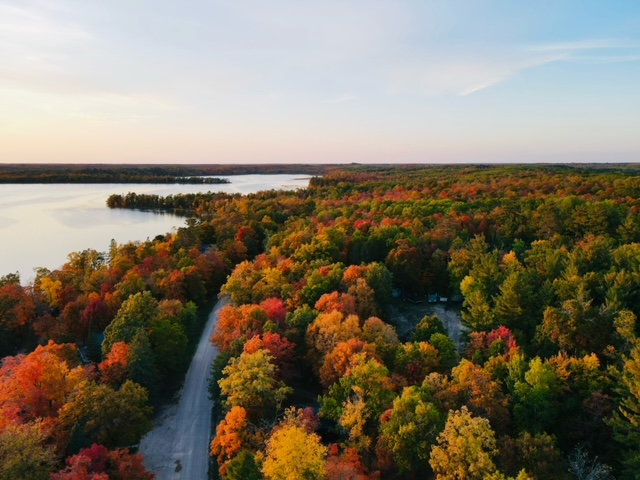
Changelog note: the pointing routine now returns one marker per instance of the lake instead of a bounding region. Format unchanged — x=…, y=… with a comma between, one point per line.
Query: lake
x=40, y=224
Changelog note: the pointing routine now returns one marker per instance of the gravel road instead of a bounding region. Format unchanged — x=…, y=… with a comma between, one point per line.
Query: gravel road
x=178, y=446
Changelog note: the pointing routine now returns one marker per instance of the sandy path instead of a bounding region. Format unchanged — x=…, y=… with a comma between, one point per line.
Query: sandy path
x=178, y=446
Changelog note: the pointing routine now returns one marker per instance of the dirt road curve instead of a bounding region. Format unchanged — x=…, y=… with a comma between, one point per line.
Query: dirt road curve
x=178, y=446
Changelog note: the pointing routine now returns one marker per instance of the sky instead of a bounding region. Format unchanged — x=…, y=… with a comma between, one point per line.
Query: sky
x=331, y=81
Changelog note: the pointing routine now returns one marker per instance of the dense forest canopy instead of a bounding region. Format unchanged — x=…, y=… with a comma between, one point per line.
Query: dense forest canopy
x=320, y=375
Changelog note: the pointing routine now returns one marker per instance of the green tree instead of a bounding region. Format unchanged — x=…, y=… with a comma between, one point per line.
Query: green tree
x=169, y=344
x=409, y=430
x=135, y=313
x=446, y=350
x=243, y=467
x=478, y=313
x=142, y=363
x=515, y=306
x=429, y=325
x=536, y=397
x=381, y=280
x=98, y=414
x=626, y=421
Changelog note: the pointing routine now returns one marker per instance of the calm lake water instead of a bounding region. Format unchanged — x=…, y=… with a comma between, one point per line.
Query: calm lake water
x=41, y=224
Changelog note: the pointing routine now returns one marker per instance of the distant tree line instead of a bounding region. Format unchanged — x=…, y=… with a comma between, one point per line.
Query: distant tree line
x=83, y=173
x=106, y=176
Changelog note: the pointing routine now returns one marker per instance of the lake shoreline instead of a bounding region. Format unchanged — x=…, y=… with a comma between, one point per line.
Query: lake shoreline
x=41, y=224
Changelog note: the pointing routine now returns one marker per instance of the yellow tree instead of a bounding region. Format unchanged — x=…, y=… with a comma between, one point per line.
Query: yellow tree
x=51, y=289
x=465, y=448
x=294, y=454
x=24, y=452
x=251, y=382
x=327, y=331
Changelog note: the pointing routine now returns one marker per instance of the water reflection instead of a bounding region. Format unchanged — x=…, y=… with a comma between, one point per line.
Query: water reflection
x=41, y=224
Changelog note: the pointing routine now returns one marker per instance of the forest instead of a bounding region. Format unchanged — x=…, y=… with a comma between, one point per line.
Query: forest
x=318, y=376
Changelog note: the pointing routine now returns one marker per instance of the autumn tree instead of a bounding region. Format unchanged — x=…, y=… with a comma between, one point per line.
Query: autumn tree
x=365, y=299
x=52, y=290
x=240, y=282
x=358, y=399
x=383, y=336
x=113, y=370
x=276, y=311
x=24, y=452
x=294, y=453
x=338, y=360
x=336, y=301
x=466, y=448
x=98, y=414
x=415, y=360
x=280, y=348
x=38, y=385
x=233, y=434
x=329, y=329
x=483, y=345
x=346, y=465
x=17, y=310
x=98, y=463
x=405, y=262
x=319, y=281
x=250, y=381
x=238, y=324
x=473, y=386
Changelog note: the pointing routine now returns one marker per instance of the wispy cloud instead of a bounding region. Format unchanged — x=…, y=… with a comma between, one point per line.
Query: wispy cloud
x=461, y=74
x=595, y=44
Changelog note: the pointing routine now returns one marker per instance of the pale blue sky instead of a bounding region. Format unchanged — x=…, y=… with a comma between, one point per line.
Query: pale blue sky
x=252, y=81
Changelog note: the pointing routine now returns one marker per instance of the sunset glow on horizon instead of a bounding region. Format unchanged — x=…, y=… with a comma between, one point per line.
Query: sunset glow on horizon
x=287, y=81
